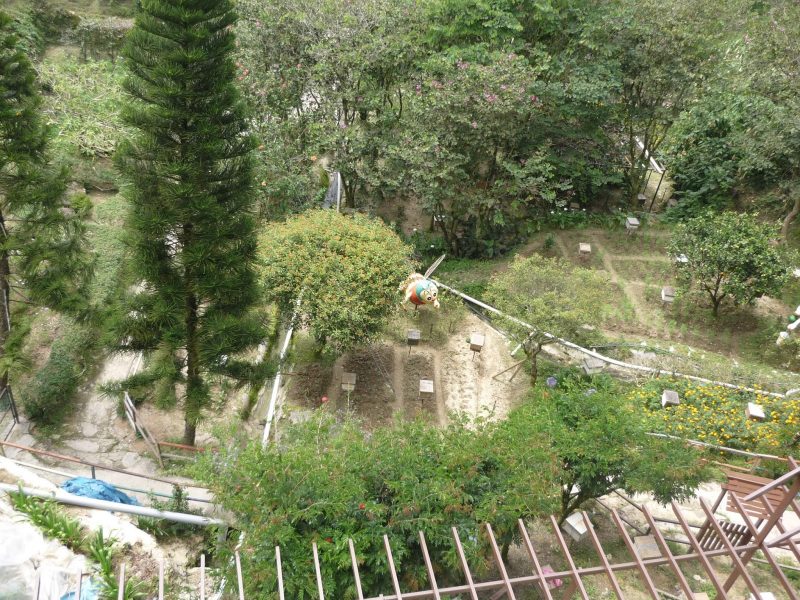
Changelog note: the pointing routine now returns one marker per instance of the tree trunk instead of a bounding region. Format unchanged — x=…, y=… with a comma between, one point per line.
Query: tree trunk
x=567, y=507
x=716, y=295
x=5, y=303
x=789, y=218
x=534, y=354
x=349, y=192
x=716, y=302
x=504, y=552
x=194, y=385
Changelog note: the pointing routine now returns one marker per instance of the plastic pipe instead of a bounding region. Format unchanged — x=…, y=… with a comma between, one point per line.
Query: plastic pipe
x=142, y=511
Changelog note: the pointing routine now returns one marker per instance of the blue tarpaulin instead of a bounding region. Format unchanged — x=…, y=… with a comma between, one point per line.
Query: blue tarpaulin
x=89, y=590
x=97, y=489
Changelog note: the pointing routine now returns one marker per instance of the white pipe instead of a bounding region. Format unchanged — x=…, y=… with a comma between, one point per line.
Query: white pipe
x=724, y=448
x=338, y=191
x=597, y=355
x=656, y=167
x=142, y=511
x=276, y=385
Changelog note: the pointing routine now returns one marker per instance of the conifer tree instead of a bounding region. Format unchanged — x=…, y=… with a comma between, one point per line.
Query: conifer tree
x=192, y=233
x=43, y=258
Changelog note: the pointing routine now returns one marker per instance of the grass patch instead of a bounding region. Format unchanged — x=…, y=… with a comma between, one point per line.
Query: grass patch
x=82, y=102
x=641, y=243
x=105, y=236
x=647, y=271
x=114, y=8
x=620, y=311
x=470, y=275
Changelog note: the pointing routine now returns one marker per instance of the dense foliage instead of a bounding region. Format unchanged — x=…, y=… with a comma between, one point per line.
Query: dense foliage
x=558, y=299
x=601, y=441
x=729, y=255
x=191, y=229
x=488, y=117
x=329, y=481
x=740, y=137
x=341, y=274
x=46, y=398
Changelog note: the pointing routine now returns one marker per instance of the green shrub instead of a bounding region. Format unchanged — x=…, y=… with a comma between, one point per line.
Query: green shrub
x=81, y=204
x=53, y=21
x=30, y=37
x=48, y=517
x=162, y=529
x=50, y=393
x=566, y=219
x=101, y=38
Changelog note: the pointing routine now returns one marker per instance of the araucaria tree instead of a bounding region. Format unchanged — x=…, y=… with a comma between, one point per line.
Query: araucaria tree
x=730, y=255
x=192, y=233
x=42, y=251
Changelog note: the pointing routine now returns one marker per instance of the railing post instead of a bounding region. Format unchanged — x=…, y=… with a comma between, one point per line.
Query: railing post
x=13, y=404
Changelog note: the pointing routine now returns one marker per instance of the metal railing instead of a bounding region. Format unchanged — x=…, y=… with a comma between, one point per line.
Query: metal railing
x=95, y=467
x=9, y=416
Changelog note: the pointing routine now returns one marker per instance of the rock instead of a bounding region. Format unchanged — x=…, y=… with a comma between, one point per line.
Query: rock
x=73, y=188
x=97, y=412
x=300, y=416
x=106, y=445
x=24, y=440
x=89, y=429
x=122, y=528
x=130, y=459
x=88, y=446
x=13, y=473
x=27, y=440
x=644, y=357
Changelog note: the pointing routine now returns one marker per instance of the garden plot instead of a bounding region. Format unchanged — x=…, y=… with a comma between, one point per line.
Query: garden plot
x=373, y=397
x=472, y=382
x=420, y=365
x=738, y=346
x=388, y=374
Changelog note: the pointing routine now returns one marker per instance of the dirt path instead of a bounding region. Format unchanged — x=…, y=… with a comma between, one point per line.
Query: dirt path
x=398, y=373
x=468, y=380
x=562, y=246
x=95, y=433
x=644, y=316
x=441, y=401
x=639, y=258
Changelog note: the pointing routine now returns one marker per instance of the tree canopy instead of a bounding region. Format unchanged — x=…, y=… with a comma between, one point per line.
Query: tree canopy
x=729, y=255
x=601, y=442
x=555, y=297
x=328, y=481
x=341, y=274
x=43, y=254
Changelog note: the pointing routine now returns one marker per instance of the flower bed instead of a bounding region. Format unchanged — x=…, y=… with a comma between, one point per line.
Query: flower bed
x=716, y=415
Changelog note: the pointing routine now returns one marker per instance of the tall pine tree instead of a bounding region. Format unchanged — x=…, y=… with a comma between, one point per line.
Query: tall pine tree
x=192, y=233
x=43, y=257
